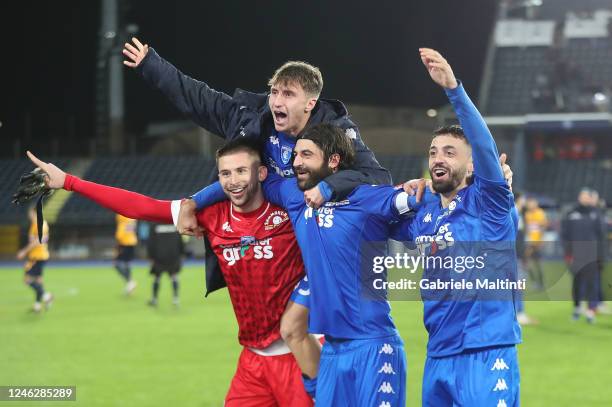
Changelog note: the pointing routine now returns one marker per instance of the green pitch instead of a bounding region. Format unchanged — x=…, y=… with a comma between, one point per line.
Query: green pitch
x=119, y=352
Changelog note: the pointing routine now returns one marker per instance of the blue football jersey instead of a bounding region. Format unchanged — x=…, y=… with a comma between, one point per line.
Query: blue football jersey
x=472, y=240
x=278, y=151
x=462, y=319
x=331, y=240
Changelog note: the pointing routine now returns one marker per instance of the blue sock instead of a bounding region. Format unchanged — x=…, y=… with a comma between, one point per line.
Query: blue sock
x=38, y=289
x=175, y=287
x=155, y=287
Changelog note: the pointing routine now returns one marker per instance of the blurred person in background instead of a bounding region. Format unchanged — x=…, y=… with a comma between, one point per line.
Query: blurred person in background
x=37, y=254
x=600, y=204
x=582, y=234
x=165, y=249
x=125, y=235
x=535, y=225
x=521, y=316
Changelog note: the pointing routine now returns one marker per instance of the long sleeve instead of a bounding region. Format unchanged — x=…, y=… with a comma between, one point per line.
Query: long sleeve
x=127, y=203
x=207, y=107
x=209, y=195
x=484, y=150
x=275, y=189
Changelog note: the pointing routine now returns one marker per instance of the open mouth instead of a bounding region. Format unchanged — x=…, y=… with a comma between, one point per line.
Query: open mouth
x=301, y=172
x=279, y=117
x=439, y=172
x=237, y=192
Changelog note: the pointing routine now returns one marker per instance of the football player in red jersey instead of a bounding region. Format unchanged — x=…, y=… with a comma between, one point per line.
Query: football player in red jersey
x=259, y=258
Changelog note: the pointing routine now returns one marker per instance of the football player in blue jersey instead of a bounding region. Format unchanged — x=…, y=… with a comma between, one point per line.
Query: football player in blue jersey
x=471, y=352
x=363, y=360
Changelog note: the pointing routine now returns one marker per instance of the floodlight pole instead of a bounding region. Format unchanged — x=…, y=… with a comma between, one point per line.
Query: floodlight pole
x=109, y=77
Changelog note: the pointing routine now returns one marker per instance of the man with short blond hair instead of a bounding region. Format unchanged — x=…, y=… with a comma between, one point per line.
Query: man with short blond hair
x=307, y=76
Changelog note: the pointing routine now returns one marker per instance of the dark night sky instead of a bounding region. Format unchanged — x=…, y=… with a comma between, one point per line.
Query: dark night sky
x=366, y=50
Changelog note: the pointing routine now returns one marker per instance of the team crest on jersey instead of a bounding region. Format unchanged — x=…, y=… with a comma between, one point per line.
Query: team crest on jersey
x=286, y=152
x=275, y=219
x=247, y=240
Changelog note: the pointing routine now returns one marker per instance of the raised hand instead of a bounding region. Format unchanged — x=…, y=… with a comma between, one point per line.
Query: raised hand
x=55, y=177
x=314, y=198
x=135, y=53
x=411, y=187
x=438, y=68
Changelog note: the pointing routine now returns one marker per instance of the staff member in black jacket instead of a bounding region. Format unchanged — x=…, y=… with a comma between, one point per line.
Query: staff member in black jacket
x=165, y=249
x=583, y=233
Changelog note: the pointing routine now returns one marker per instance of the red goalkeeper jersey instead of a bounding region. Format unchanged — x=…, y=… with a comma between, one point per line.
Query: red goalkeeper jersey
x=261, y=263
x=257, y=251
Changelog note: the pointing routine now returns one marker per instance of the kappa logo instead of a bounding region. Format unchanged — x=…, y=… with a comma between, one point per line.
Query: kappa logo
x=227, y=228
x=351, y=133
x=301, y=290
x=502, y=403
x=274, y=140
x=275, y=219
x=386, y=349
x=500, y=385
x=384, y=404
x=500, y=365
x=386, y=387
x=387, y=368
x=427, y=218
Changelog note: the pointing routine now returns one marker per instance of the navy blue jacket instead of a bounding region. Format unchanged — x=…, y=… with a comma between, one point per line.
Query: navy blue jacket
x=248, y=114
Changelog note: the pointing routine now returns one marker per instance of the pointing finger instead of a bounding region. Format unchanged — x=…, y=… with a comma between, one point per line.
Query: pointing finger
x=40, y=164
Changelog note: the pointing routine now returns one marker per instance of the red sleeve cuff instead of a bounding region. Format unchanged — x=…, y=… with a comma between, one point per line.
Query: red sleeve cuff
x=69, y=182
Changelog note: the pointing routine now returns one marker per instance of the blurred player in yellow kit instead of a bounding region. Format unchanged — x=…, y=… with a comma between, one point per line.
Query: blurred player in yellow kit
x=125, y=235
x=535, y=224
x=37, y=255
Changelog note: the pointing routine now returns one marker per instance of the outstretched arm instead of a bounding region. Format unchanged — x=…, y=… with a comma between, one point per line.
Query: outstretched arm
x=205, y=106
x=484, y=150
x=126, y=203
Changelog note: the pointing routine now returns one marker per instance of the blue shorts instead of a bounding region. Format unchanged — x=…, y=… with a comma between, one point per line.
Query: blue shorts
x=362, y=372
x=34, y=268
x=488, y=377
x=301, y=293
